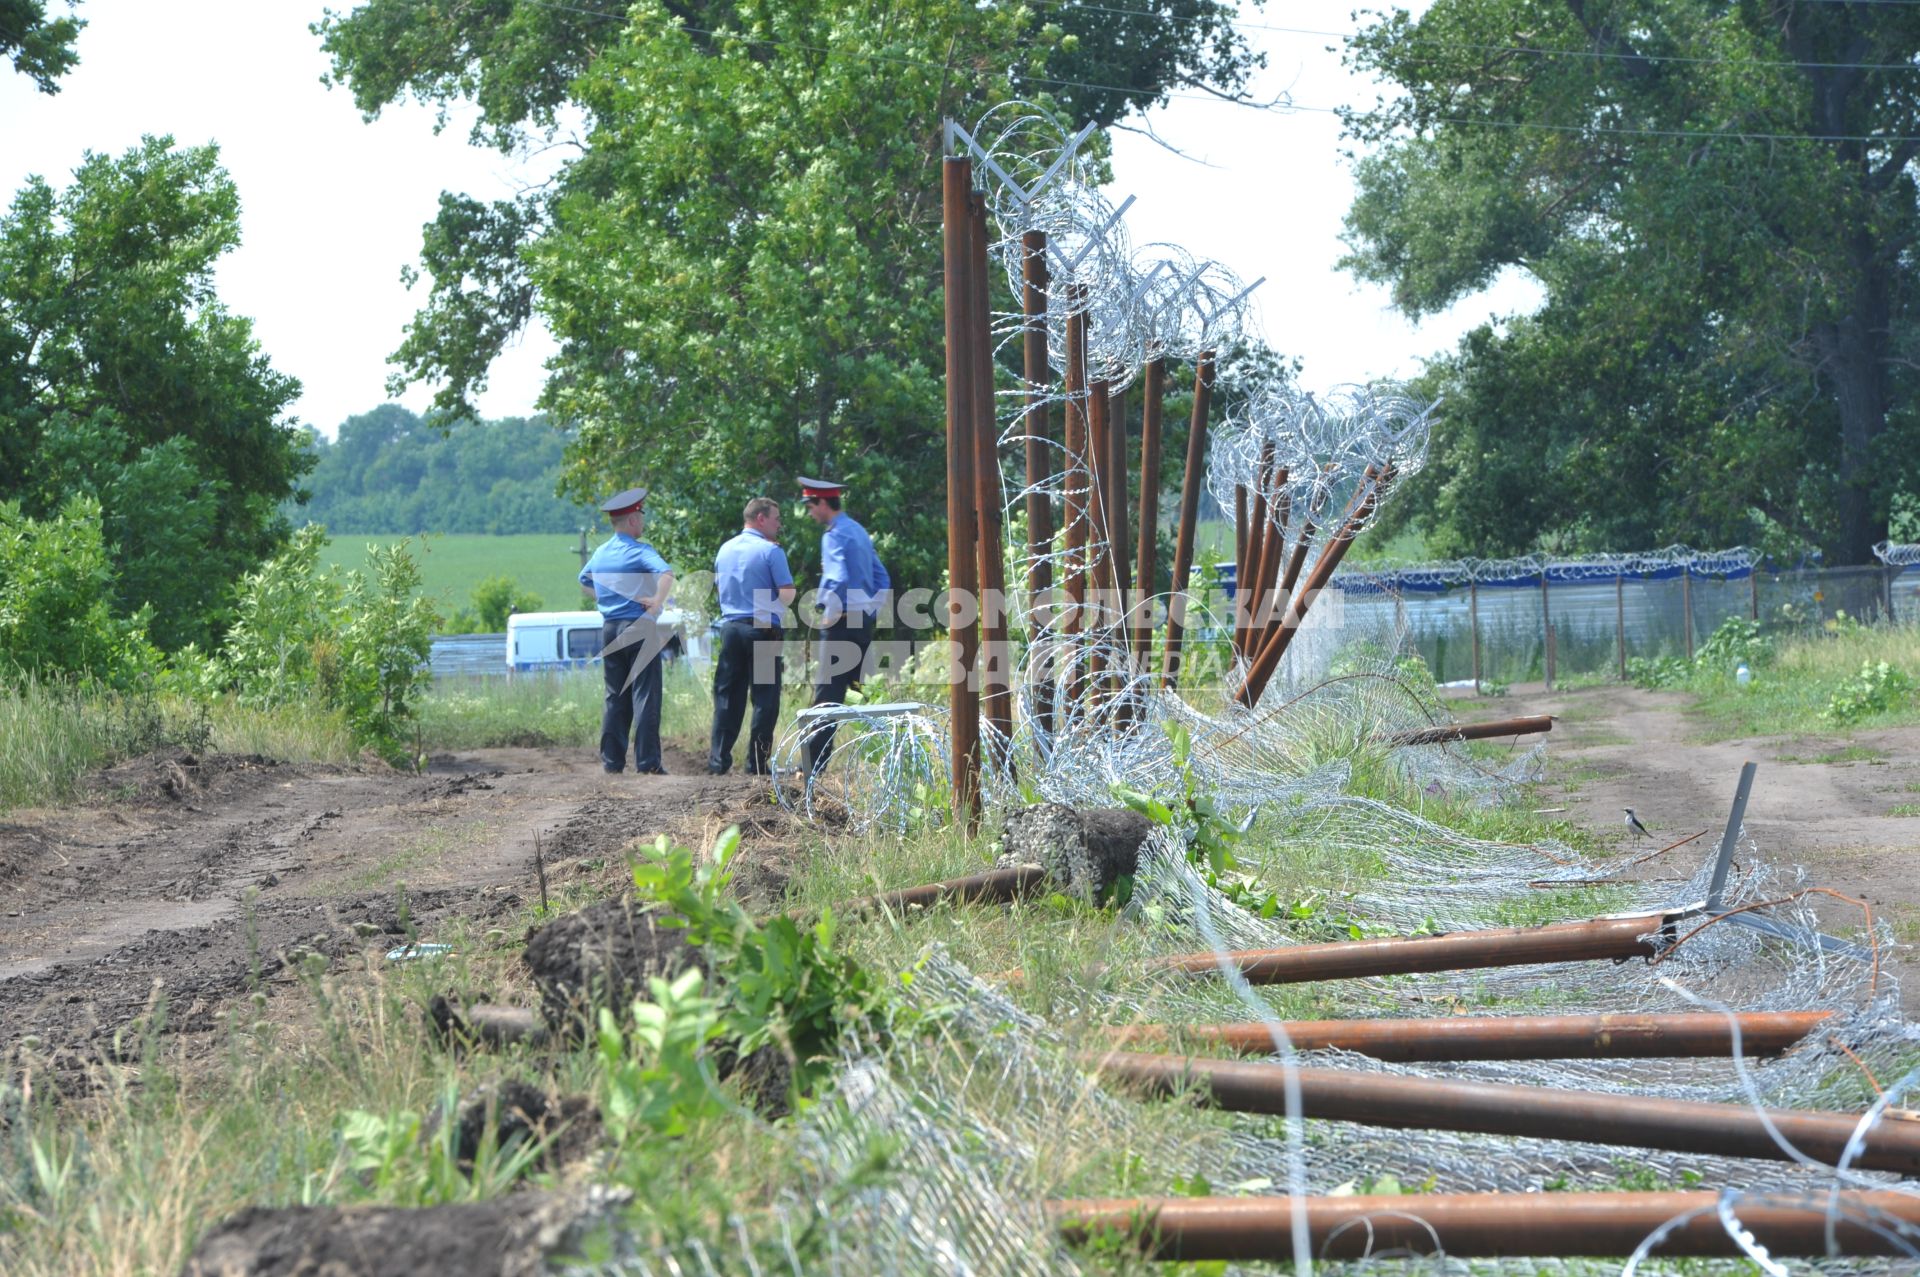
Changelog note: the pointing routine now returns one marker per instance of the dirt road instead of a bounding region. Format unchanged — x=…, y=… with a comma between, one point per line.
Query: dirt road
x=197, y=876
x=1825, y=803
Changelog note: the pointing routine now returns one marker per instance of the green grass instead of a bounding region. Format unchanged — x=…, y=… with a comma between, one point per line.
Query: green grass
x=51, y=736
x=1790, y=693
x=451, y=565
x=1906, y=809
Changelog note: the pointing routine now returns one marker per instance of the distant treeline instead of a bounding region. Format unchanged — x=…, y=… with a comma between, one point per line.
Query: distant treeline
x=394, y=472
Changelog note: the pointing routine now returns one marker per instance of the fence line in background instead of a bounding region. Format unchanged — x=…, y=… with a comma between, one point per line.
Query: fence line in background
x=1480, y=620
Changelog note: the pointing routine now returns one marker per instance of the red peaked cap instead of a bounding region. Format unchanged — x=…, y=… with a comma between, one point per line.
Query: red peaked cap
x=820, y=487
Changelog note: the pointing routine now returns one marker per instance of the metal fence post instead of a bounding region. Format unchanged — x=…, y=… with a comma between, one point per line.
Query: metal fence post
x=1189, y=517
x=1473, y=628
x=1753, y=591
x=1686, y=606
x=1546, y=630
x=1033, y=308
x=1620, y=623
x=963, y=563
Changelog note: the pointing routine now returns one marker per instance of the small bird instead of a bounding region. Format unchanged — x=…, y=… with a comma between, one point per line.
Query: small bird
x=1633, y=824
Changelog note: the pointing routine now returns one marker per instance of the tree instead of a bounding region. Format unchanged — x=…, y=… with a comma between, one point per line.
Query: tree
x=1719, y=203
x=124, y=379
x=390, y=471
x=55, y=578
x=41, y=47
x=742, y=261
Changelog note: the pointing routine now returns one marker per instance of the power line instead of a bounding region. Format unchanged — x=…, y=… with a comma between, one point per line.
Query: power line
x=1153, y=95
x=1704, y=135
x=1529, y=50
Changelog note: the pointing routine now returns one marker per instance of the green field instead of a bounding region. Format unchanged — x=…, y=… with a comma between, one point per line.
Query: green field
x=543, y=563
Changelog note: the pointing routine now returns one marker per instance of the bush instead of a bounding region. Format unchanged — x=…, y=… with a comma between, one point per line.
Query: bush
x=284, y=614
x=498, y=597
x=1656, y=672
x=358, y=642
x=56, y=584
x=1877, y=688
x=1737, y=640
x=378, y=668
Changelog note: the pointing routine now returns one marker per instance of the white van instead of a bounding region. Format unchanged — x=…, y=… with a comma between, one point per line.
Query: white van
x=571, y=640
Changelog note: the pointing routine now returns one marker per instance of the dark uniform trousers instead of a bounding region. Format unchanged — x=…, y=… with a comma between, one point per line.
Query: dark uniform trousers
x=843, y=651
x=631, y=705
x=746, y=669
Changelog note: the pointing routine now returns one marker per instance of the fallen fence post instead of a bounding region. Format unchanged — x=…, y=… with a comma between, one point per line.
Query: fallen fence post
x=1500, y=1108
x=1598, y=939
x=1496, y=1225
x=1612, y=1035
x=1450, y=732
x=997, y=886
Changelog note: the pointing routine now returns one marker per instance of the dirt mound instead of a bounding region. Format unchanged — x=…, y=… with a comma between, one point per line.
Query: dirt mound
x=23, y=849
x=567, y=1126
x=1085, y=850
x=602, y=956
x=509, y=1237
x=177, y=775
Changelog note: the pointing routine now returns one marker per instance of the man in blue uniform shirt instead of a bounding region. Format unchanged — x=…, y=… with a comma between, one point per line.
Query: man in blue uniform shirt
x=852, y=583
x=629, y=582
x=755, y=586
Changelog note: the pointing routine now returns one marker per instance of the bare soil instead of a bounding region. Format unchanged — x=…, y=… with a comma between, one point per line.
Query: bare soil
x=1824, y=803
x=201, y=878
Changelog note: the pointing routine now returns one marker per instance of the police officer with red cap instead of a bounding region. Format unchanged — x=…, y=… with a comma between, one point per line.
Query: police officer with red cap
x=629, y=582
x=852, y=583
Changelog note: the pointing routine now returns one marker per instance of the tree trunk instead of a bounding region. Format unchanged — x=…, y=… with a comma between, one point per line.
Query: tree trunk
x=1855, y=352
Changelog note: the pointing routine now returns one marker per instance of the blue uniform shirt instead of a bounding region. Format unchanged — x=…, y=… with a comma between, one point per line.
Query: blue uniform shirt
x=850, y=572
x=622, y=572
x=748, y=573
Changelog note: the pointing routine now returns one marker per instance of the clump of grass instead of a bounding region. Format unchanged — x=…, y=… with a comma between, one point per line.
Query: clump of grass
x=49, y=737
x=52, y=734
x=302, y=733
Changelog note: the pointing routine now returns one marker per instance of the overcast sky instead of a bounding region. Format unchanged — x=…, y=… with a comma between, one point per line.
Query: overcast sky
x=332, y=206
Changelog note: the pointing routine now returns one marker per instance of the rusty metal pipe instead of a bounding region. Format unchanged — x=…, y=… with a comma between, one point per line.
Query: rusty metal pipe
x=996, y=887
x=1499, y=1108
x=1487, y=1225
x=995, y=681
x=1251, y=576
x=1078, y=481
x=1598, y=939
x=1240, y=540
x=1267, y=660
x=1116, y=475
x=1189, y=519
x=1514, y=1037
x=1033, y=308
x=1153, y=393
x=1099, y=496
x=962, y=564
x=1447, y=733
